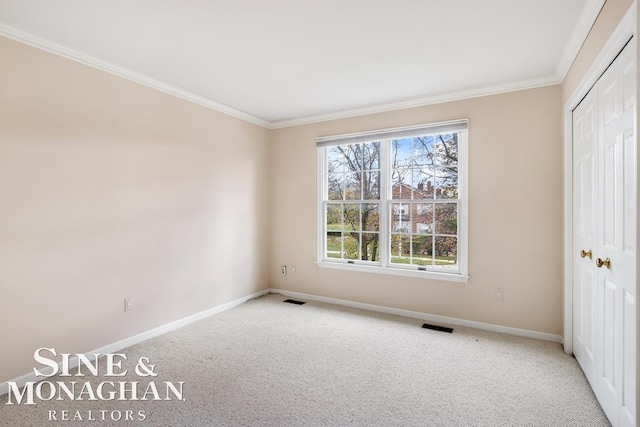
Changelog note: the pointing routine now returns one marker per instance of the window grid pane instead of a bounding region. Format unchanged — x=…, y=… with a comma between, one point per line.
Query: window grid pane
x=422, y=225
x=353, y=177
x=432, y=230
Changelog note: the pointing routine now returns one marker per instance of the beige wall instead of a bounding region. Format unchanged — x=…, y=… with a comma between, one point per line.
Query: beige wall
x=111, y=189
x=515, y=214
x=612, y=12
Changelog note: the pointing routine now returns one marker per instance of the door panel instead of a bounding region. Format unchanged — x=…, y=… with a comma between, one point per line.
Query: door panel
x=609, y=336
x=629, y=212
x=610, y=96
x=610, y=184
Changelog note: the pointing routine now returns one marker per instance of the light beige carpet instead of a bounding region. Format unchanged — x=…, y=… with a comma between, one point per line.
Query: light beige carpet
x=269, y=363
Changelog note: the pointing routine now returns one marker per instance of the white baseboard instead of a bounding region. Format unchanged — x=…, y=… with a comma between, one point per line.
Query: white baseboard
x=424, y=316
x=128, y=342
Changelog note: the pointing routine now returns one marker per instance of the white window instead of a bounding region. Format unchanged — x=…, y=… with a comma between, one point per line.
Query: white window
x=394, y=201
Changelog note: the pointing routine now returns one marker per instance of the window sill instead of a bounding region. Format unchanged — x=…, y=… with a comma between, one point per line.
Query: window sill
x=434, y=275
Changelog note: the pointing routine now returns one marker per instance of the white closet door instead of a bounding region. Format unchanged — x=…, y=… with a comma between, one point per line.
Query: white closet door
x=605, y=223
x=585, y=141
x=617, y=237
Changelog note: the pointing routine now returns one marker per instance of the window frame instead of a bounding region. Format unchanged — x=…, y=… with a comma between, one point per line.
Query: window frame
x=384, y=265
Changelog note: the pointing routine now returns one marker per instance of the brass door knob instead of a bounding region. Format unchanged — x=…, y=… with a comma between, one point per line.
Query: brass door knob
x=584, y=253
x=606, y=263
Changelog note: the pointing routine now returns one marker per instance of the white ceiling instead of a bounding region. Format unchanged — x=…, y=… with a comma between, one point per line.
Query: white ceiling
x=283, y=62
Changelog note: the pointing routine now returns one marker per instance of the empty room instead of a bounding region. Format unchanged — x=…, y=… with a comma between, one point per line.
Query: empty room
x=337, y=213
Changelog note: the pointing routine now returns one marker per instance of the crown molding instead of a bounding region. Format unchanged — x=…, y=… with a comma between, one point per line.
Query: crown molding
x=579, y=34
x=39, y=42
x=585, y=22
x=421, y=102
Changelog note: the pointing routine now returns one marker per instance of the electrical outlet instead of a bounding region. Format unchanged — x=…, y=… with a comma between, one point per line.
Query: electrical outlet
x=499, y=294
x=128, y=304
x=283, y=270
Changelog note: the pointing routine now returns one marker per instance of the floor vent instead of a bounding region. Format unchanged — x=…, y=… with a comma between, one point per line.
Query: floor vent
x=437, y=328
x=292, y=301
